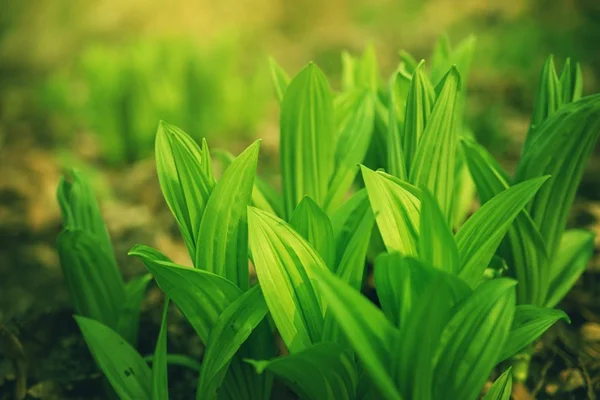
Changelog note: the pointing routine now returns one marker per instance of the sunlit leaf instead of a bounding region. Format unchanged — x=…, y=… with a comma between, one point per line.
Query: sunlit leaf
x=502, y=387
x=575, y=251
x=183, y=181
x=529, y=323
x=223, y=239
x=286, y=266
x=307, y=138
x=434, y=159
x=473, y=339
x=481, y=235
x=323, y=371
x=396, y=212
x=311, y=222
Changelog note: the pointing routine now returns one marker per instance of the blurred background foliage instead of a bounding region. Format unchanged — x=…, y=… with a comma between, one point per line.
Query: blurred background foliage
x=97, y=76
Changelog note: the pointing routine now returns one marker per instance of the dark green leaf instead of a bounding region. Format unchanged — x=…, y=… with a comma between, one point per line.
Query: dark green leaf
x=160, y=384
x=314, y=225
x=502, y=387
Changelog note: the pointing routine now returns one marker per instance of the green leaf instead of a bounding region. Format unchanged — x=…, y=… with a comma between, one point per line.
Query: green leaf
x=575, y=251
x=280, y=78
x=353, y=224
x=502, y=387
x=356, y=112
x=180, y=360
x=286, y=266
x=92, y=276
x=183, y=181
x=80, y=210
x=206, y=162
x=396, y=159
x=200, y=295
x=367, y=73
x=348, y=71
x=481, y=235
x=129, y=314
x=419, y=106
x=420, y=331
x=473, y=339
x=523, y=248
x=396, y=212
x=222, y=246
x=160, y=384
x=441, y=58
x=434, y=158
x=529, y=323
x=126, y=370
x=401, y=282
x=307, y=138
x=365, y=327
x=436, y=240
x=229, y=332
x=322, y=371
x=561, y=148
x=315, y=227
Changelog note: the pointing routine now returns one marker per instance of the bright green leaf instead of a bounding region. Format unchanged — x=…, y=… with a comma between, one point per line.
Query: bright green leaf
x=311, y=222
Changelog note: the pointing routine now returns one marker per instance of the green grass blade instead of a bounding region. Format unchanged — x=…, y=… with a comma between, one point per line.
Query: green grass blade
x=480, y=236
x=433, y=165
x=473, y=339
x=125, y=369
x=396, y=212
x=322, y=371
x=529, y=323
x=286, y=266
x=502, y=387
x=311, y=222
x=222, y=245
x=183, y=181
x=160, y=383
x=365, y=327
x=307, y=138
x=575, y=251
x=229, y=332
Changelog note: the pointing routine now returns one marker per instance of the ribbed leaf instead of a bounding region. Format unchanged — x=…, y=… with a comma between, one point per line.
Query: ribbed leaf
x=230, y=331
x=125, y=369
x=322, y=371
x=561, y=148
x=396, y=160
x=206, y=162
x=183, y=181
x=222, y=246
x=365, y=327
x=434, y=158
x=502, y=387
x=523, y=248
x=315, y=227
x=419, y=105
x=200, y=295
x=481, y=235
x=436, y=240
x=420, y=331
x=355, y=113
x=575, y=251
x=529, y=323
x=473, y=339
x=286, y=266
x=307, y=138
x=92, y=276
x=401, y=282
x=280, y=78
x=396, y=212
x=160, y=383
